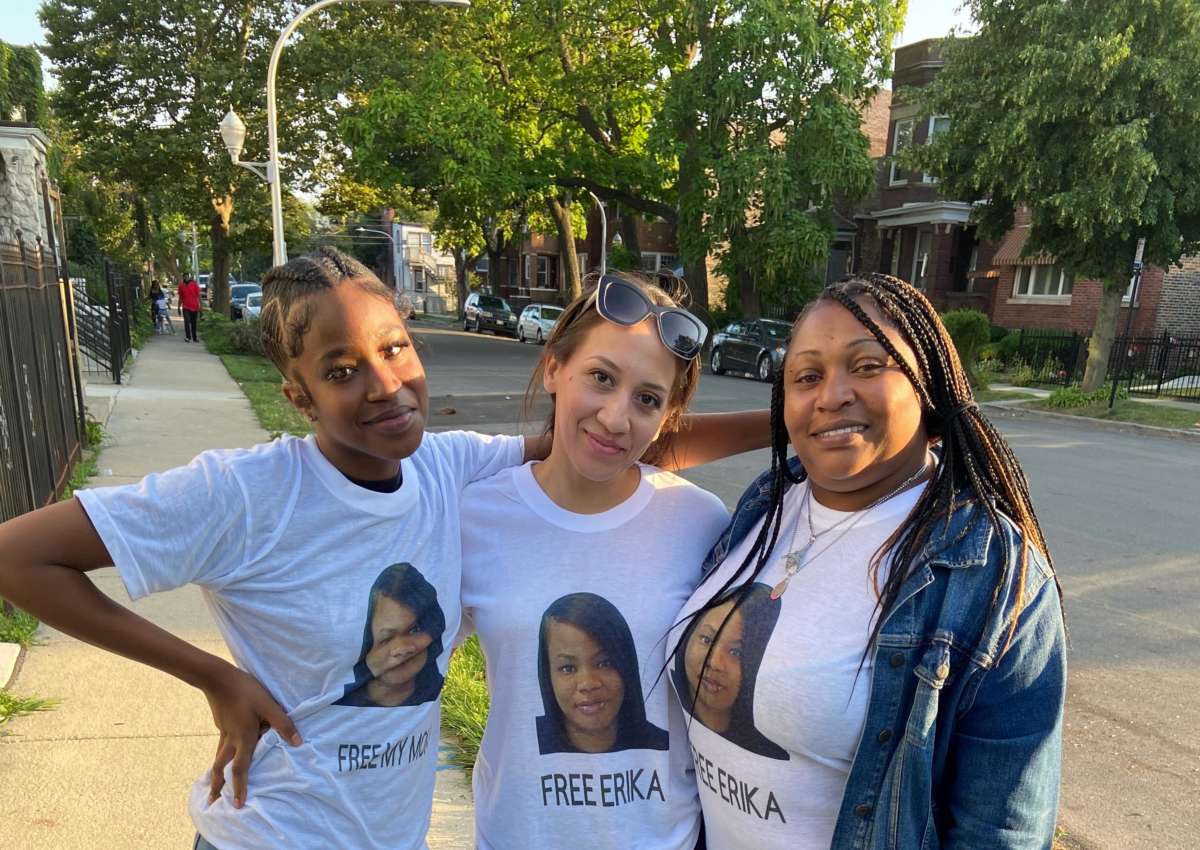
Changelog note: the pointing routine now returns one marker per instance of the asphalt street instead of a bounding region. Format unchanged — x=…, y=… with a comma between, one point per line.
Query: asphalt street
x=1122, y=516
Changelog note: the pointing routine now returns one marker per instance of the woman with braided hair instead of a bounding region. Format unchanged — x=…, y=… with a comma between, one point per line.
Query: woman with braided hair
x=916, y=674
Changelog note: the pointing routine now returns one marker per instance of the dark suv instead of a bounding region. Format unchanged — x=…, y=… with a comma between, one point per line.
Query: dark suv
x=756, y=346
x=489, y=313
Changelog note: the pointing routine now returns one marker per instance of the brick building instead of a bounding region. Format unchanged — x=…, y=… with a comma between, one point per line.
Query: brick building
x=1179, y=303
x=911, y=231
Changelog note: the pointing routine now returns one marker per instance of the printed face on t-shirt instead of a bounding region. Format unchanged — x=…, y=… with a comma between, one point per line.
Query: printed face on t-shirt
x=589, y=676
x=713, y=659
x=716, y=666
x=587, y=687
x=390, y=658
x=402, y=639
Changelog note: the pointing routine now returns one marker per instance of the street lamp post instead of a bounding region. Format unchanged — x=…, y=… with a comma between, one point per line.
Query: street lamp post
x=603, y=234
x=397, y=249
x=233, y=129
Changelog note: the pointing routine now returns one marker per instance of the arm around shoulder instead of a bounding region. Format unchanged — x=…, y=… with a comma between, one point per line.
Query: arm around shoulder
x=1006, y=750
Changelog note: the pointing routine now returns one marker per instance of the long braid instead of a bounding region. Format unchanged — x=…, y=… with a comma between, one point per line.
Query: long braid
x=975, y=457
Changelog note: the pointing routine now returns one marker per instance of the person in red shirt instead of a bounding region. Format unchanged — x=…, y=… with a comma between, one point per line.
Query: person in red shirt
x=189, y=302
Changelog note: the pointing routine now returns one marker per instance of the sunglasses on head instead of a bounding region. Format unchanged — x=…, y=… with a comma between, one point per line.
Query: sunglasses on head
x=622, y=303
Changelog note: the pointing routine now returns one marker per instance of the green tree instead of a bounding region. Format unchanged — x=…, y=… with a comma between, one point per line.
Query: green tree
x=764, y=119
x=143, y=85
x=21, y=90
x=1084, y=113
x=735, y=122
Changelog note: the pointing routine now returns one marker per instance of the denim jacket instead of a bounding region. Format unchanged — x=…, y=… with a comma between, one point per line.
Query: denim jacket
x=962, y=746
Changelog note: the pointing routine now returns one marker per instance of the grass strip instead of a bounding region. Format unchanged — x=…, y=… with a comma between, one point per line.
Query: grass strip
x=13, y=706
x=16, y=626
x=1138, y=412
x=465, y=702
x=260, y=381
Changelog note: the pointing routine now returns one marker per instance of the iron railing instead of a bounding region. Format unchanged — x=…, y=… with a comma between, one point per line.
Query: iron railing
x=41, y=413
x=1056, y=358
x=104, y=328
x=1158, y=366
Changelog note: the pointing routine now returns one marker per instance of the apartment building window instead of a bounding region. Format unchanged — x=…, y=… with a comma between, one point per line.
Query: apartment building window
x=546, y=278
x=938, y=124
x=901, y=139
x=654, y=261
x=419, y=279
x=445, y=272
x=420, y=242
x=1043, y=281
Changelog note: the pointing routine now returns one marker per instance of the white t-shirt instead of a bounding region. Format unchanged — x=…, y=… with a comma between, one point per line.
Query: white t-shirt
x=585, y=744
x=784, y=697
x=305, y=572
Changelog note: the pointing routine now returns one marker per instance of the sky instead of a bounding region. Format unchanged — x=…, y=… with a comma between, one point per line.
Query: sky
x=926, y=19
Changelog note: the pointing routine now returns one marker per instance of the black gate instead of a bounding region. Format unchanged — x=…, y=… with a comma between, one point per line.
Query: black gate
x=40, y=430
x=1157, y=366
x=1056, y=358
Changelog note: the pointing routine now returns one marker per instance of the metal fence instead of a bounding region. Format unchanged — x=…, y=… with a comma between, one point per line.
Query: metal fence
x=1157, y=366
x=41, y=397
x=104, y=327
x=1056, y=358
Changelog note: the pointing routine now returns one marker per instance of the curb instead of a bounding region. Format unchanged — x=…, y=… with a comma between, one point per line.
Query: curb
x=10, y=654
x=1014, y=411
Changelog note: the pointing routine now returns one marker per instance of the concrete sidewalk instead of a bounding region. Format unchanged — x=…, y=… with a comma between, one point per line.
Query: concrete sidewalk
x=112, y=765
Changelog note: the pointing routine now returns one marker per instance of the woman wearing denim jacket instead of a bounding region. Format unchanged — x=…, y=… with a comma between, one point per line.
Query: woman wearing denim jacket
x=914, y=674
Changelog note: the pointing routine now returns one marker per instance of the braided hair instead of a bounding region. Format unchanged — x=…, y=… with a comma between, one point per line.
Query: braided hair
x=976, y=463
x=288, y=306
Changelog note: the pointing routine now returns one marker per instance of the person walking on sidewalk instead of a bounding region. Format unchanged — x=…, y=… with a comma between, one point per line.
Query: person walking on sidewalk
x=189, y=303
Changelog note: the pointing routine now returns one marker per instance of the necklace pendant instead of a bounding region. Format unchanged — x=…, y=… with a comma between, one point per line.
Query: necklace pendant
x=777, y=590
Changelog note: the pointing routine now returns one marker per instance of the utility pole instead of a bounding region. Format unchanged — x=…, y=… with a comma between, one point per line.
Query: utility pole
x=195, y=252
x=1133, y=294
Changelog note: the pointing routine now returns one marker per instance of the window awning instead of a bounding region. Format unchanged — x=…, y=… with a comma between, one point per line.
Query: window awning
x=1009, y=252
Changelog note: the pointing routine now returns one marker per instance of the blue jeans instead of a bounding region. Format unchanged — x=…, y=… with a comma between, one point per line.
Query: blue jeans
x=201, y=844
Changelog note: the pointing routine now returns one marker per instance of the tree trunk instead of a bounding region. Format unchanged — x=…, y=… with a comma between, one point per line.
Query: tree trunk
x=1103, y=332
x=560, y=211
x=219, y=281
x=629, y=232
x=494, y=244
x=462, y=268
x=748, y=296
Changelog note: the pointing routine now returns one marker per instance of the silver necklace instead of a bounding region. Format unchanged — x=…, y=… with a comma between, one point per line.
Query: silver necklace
x=796, y=560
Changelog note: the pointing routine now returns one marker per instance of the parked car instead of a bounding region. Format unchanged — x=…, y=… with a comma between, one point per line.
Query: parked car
x=237, y=297
x=537, y=321
x=756, y=346
x=489, y=313
x=202, y=280
x=253, y=307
